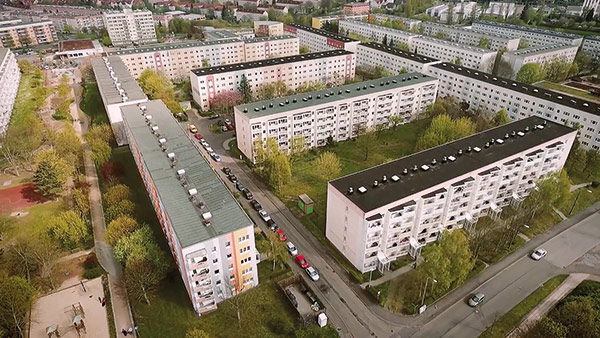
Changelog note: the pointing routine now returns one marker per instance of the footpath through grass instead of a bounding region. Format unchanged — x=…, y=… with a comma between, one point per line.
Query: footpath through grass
x=503, y=326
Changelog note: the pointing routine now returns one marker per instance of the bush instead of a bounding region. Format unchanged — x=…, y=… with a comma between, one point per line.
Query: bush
x=111, y=170
x=116, y=194
x=93, y=272
x=91, y=261
x=123, y=208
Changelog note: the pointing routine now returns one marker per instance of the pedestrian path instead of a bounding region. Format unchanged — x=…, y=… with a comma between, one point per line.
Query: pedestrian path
x=389, y=275
x=577, y=186
x=562, y=216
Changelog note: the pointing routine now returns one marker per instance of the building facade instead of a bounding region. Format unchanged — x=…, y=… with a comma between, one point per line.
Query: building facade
x=271, y=47
x=10, y=77
x=487, y=92
x=318, y=21
x=356, y=8
x=411, y=24
x=469, y=56
x=377, y=33
x=130, y=27
x=392, y=59
x=534, y=36
x=78, y=49
x=78, y=18
x=394, y=209
x=338, y=113
x=20, y=34
x=247, y=14
x=331, y=67
x=591, y=45
x=268, y=28
x=540, y=55
x=469, y=37
x=451, y=11
x=210, y=237
x=318, y=40
x=500, y=9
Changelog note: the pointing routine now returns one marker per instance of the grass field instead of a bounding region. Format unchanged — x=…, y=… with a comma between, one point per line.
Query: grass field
x=36, y=222
x=512, y=318
x=91, y=104
x=568, y=90
x=587, y=197
x=30, y=97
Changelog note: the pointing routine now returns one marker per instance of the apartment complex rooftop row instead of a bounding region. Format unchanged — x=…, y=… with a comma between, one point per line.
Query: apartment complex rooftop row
x=269, y=62
x=381, y=28
x=541, y=49
x=198, y=204
x=461, y=29
x=321, y=32
x=384, y=184
x=560, y=98
x=454, y=44
x=392, y=50
x=111, y=71
x=528, y=29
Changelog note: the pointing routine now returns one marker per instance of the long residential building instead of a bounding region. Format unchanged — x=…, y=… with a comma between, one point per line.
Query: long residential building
x=318, y=40
x=452, y=11
x=318, y=22
x=19, y=34
x=175, y=60
x=130, y=27
x=540, y=55
x=470, y=37
x=117, y=88
x=78, y=18
x=332, y=67
x=210, y=236
x=339, y=113
x=534, y=36
x=411, y=24
x=10, y=77
x=392, y=59
x=469, y=56
x=377, y=33
x=485, y=91
x=382, y=213
x=591, y=45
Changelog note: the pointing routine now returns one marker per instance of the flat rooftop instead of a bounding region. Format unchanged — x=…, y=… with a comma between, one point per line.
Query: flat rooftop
x=462, y=29
x=70, y=45
x=106, y=85
x=329, y=95
x=269, y=38
x=545, y=94
x=454, y=44
x=541, y=50
x=399, y=52
x=218, y=35
x=529, y=29
x=3, y=53
x=322, y=32
x=186, y=218
x=381, y=28
x=269, y=62
x=470, y=162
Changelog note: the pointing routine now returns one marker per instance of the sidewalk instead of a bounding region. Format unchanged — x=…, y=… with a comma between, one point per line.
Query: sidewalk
x=548, y=303
x=389, y=275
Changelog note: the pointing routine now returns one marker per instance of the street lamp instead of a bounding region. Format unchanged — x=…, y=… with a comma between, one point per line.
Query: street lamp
x=425, y=291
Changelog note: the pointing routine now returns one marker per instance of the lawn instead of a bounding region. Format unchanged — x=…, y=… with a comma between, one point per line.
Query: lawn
x=568, y=90
x=587, y=197
x=36, y=222
x=91, y=103
x=30, y=96
x=512, y=318
x=541, y=223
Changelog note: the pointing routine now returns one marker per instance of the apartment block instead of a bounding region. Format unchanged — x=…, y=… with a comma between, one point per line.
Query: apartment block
x=500, y=9
x=10, y=76
x=318, y=40
x=332, y=67
x=382, y=213
x=591, y=45
x=470, y=37
x=130, y=27
x=469, y=56
x=534, y=36
x=78, y=18
x=539, y=55
x=271, y=47
x=268, y=28
x=318, y=21
x=248, y=14
x=452, y=11
x=339, y=113
x=485, y=91
x=356, y=8
x=377, y=33
x=392, y=59
x=117, y=88
x=210, y=237
x=409, y=23
x=18, y=34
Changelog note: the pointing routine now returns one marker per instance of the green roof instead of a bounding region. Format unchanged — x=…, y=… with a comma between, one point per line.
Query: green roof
x=185, y=217
x=299, y=101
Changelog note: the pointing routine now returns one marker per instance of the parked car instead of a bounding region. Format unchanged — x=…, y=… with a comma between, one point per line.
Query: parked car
x=230, y=127
x=312, y=273
x=224, y=128
x=214, y=116
x=256, y=205
x=181, y=117
x=272, y=225
x=264, y=215
x=301, y=261
x=247, y=194
x=215, y=157
x=538, y=254
x=192, y=128
x=232, y=178
x=227, y=171
x=282, y=236
x=291, y=248
x=239, y=186
x=476, y=299
x=227, y=121
x=198, y=137
x=205, y=144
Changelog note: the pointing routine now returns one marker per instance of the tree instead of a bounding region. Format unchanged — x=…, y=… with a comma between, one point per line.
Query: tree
x=6, y=224
x=196, y=333
x=156, y=86
x=530, y=73
x=116, y=194
x=327, y=166
x=484, y=42
x=101, y=151
x=579, y=316
x=304, y=49
x=81, y=202
x=458, y=61
x=278, y=251
x=403, y=46
x=223, y=102
x=69, y=228
x=583, y=60
x=21, y=141
x=244, y=89
x=500, y=118
x=119, y=228
x=122, y=208
x=272, y=90
x=134, y=244
x=68, y=145
x=395, y=121
x=106, y=41
x=297, y=147
x=385, y=40
x=314, y=331
x=309, y=86
x=547, y=327
x=145, y=267
x=366, y=143
x=279, y=170
x=16, y=298
x=527, y=14
x=592, y=164
x=444, y=129
x=100, y=132
x=576, y=160
x=51, y=173
x=590, y=15
x=550, y=192
x=557, y=70
x=523, y=43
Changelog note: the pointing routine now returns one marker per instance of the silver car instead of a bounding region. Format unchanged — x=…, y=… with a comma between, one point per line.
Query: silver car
x=312, y=273
x=476, y=299
x=538, y=254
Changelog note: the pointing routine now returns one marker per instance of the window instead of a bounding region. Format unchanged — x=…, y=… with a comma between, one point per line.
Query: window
x=245, y=260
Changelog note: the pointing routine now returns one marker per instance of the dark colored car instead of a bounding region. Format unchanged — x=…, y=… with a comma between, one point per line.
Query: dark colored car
x=182, y=117
x=227, y=171
x=247, y=194
x=239, y=186
x=256, y=205
x=272, y=225
x=233, y=178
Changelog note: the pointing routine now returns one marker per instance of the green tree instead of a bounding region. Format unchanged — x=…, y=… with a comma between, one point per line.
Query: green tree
x=51, y=173
x=592, y=164
x=304, y=49
x=101, y=151
x=327, y=166
x=547, y=327
x=549, y=192
x=68, y=145
x=119, y=228
x=21, y=141
x=366, y=143
x=6, y=224
x=458, y=61
x=116, y=194
x=557, y=70
x=403, y=46
x=314, y=331
x=297, y=147
x=245, y=90
x=444, y=129
x=146, y=266
x=523, y=44
x=530, y=73
x=583, y=59
x=278, y=252
x=385, y=40
x=272, y=90
x=527, y=14
x=395, y=121
x=577, y=159
x=122, y=208
x=579, y=316
x=156, y=86
x=106, y=41
x=484, y=42
x=196, y=333
x=81, y=202
x=134, y=244
x=101, y=132
x=16, y=298
x=70, y=229
x=280, y=171
x=500, y=118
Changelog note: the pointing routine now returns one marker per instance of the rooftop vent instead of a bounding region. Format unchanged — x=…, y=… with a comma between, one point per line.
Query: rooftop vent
x=350, y=191
x=384, y=179
x=148, y=118
x=270, y=105
x=477, y=149
x=526, y=129
x=264, y=107
x=506, y=136
x=521, y=133
x=207, y=217
x=375, y=184
x=405, y=171
x=154, y=129
x=487, y=145
x=362, y=190
x=499, y=141
x=444, y=159
x=451, y=158
x=425, y=167
x=513, y=133
x=193, y=192
x=395, y=178
x=469, y=149
x=433, y=162
x=256, y=109
x=171, y=156
x=162, y=140
x=460, y=152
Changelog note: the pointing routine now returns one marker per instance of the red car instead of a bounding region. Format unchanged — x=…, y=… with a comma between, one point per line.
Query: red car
x=198, y=136
x=301, y=261
x=230, y=127
x=282, y=236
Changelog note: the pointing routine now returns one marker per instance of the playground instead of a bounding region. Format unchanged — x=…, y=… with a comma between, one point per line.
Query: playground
x=19, y=198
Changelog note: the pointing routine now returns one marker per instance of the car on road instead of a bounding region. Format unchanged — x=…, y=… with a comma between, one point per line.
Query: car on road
x=272, y=225
x=226, y=171
x=230, y=127
x=198, y=137
x=476, y=299
x=312, y=273
x=291, y=248
x=538, y=254
x=239, y=186
x=181, y=117
x=227, y=121
x=232, y=178
x=205, y=144
x=264, y=215
x=209, y=150
x=256, y=205
x=215, y=157
x=224, y=128
x=282, y=236
x=192, y=128
x=301, y=261
x=213, y=116
x=247, y=194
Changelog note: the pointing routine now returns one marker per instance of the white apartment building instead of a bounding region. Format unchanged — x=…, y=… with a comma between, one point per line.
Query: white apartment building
x=539, y=55
x=317, y=22
x=339, y=112
x=268, y=28
x=382, y=213
x=392, y=59
x=591, y=4
x=534, y=36
x=16, y=34
x=210, y=236
x=78, y=18
x=502, y=9
x=130, y=27
x=456, y=10
x=377, y=33
x=176, y=60
x=470, y=37
x=408, y=22
x=331, y=67
x=318, y=40
x=488, y=92
x=469, y=56
x=117, y=88
x=10, y=76
x=591, y=45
